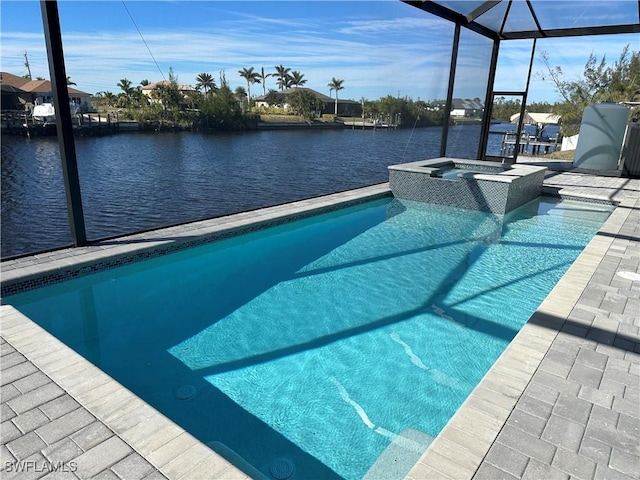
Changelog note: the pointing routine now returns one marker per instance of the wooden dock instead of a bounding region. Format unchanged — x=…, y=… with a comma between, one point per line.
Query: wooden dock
x=527, y=144
x=367, y=125
x=86, y=124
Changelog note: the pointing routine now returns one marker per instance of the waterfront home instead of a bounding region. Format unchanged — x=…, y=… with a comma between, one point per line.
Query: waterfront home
x=345, y=107
x=20, y=93
x=466, y=107
x=147, y=90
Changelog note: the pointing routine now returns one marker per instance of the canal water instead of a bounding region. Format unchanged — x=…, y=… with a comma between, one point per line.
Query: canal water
x=138, y=181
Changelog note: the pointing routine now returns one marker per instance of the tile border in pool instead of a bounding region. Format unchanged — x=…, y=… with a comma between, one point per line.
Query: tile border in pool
x=27, y=273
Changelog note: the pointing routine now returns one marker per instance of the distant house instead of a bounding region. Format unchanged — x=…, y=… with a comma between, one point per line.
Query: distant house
x=13, y=97
x=460, y=107
x=147, y=90
x=345, y=107
x=465, y=107
x=41, y=92
x=23, y=93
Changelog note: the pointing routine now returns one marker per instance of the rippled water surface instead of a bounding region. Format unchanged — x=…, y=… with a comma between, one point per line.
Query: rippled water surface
x=138, y=181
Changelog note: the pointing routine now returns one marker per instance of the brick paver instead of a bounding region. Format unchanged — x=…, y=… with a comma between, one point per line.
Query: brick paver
x=592, y=429
x=47, y=434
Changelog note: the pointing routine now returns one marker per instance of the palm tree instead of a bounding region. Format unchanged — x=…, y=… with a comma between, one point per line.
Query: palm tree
x=241, y=94
x=263, y=78
x=127, y=90
x=251, y=77
x=125, y=85
x=336, y=85
x=206, y=82
x=283, y=76
x=296, y=79
x=144, y=83
x=109, y=99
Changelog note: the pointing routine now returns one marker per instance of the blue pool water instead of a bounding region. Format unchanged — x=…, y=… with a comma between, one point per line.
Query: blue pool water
x=312, y=347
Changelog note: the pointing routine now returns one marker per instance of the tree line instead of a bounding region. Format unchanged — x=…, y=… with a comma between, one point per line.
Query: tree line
x=213, y=105
x=600, y=82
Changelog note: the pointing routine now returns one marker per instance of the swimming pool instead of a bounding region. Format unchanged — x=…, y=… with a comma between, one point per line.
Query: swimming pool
x=321, y=341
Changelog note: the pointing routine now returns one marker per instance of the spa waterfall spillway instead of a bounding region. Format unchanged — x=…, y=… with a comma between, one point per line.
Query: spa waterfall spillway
x=473, y=185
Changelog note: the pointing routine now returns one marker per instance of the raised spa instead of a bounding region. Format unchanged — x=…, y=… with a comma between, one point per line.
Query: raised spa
x=473, y=185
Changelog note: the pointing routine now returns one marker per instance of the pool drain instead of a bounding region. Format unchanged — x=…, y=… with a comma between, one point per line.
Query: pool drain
x=185, y=392
x=281, y=468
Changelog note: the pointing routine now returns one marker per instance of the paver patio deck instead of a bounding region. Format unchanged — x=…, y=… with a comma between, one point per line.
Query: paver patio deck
x=47, y=433
x=561, y=402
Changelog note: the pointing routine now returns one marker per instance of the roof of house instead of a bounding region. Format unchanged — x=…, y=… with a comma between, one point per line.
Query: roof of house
x=182, y=88
x=320, y=96
x=467, y=104
x=44, y=86
x=37, y=86
x=7, y=78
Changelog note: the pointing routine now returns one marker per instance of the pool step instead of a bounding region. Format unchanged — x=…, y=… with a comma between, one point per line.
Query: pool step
x=400, y=456
x=233, y=457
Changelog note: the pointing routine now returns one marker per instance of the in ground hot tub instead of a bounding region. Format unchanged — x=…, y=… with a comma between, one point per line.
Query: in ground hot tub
x=470, y=184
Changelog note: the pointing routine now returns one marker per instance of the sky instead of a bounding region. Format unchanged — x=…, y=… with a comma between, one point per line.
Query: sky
x=378, y=47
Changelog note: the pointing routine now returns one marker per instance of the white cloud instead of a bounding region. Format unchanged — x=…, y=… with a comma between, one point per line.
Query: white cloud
x=398, y=25
x=374, y=56
x=102, y=58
